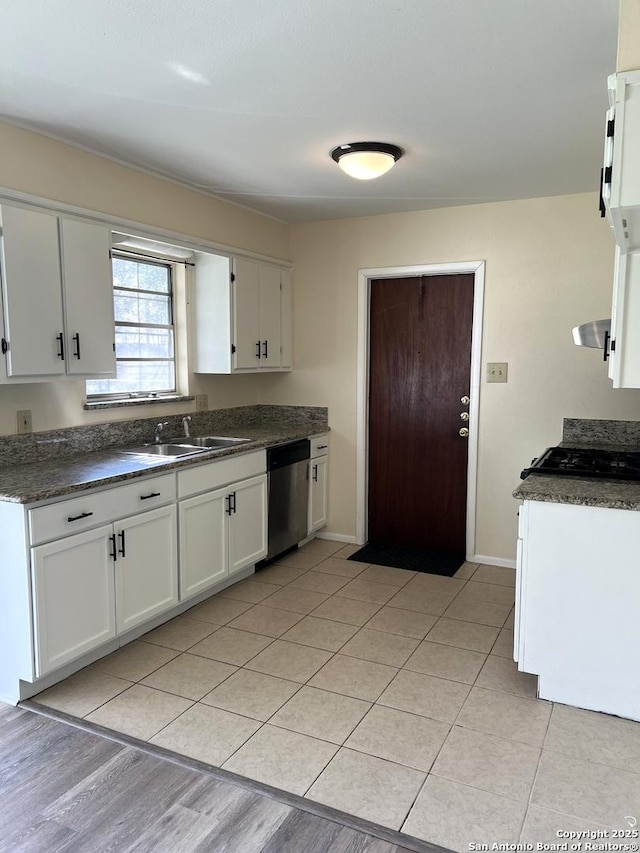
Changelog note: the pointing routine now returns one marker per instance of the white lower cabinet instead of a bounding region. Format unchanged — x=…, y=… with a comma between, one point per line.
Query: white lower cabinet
x=221, y=532
x=73, y=597
x=92, y=586
x=318, y=483
x=248, y=523
x=146, y=566
x=576, y=624
x=204, y=537
x=318, y=493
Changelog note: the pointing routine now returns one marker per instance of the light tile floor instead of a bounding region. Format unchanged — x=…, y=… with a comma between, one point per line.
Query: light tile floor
x=388, y=694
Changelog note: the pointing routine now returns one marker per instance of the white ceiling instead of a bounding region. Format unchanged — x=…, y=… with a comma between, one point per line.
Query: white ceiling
x=491, y=99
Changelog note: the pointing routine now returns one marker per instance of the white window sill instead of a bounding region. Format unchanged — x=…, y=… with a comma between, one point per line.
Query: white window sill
x=135, y=401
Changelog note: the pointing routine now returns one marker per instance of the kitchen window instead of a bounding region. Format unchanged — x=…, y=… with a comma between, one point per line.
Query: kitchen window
x=144, y=331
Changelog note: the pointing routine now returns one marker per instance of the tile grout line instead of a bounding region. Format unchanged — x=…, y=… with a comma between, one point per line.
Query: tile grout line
x=535, y=775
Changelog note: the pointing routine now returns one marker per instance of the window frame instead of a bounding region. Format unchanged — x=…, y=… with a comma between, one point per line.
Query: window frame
x=120, y=396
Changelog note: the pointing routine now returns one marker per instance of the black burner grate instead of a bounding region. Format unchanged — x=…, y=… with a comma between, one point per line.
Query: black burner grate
x=587, y=462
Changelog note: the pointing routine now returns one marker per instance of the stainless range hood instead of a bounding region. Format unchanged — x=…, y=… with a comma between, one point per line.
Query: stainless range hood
x=595, y=334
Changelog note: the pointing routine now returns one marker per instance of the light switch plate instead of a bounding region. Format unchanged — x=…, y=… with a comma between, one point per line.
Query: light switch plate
x=497, y=371
x=24, y=421
x=202, y=403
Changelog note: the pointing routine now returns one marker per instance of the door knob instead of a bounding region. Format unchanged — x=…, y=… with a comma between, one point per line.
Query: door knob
x=464, y=416
x=465, y=400
x=463, y=432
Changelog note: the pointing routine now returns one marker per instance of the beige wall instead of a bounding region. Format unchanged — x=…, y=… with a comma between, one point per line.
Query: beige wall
x=549, y=265
x=629, y=36
x=35, y=164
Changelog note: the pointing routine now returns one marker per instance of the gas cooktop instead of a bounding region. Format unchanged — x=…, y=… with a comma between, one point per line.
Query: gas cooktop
x=587, y=462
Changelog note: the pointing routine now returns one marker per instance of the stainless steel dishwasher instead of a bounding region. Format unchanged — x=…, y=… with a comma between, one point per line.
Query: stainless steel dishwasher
x=288, y=479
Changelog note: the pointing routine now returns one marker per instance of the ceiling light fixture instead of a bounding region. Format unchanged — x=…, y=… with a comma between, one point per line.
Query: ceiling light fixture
x=366, y=160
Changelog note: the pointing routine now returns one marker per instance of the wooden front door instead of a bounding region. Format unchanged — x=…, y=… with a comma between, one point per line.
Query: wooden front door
x=419, y=368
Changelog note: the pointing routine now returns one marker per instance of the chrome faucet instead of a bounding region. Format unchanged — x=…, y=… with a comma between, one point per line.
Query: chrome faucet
x=157, y=436
x=185, y=425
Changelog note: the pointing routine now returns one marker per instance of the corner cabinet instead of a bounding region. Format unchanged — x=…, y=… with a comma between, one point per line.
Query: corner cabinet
x=620, y=202
x=318, y=483
x=57, y=297
x=242, y=316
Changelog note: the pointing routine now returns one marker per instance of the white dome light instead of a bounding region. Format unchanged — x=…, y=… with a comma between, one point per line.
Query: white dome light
x=366, y=160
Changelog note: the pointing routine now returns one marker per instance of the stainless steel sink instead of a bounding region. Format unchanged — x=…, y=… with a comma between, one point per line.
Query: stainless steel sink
x=174, y=451
x=208, y=442
x=179, y=446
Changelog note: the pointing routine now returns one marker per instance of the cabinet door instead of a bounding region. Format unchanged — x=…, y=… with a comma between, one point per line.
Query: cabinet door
x=73, y=597
x=248, y=523
x=246, y=315
x=146, y=566
x=624, y=360
x=32, y=293
x=203, y=542
x=318, y=493
x=88, y=299
x=286, y=321
x=270, y=335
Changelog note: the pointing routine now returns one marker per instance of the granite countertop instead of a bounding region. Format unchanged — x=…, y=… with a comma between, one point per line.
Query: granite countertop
x=33, y=482
x=582, y=491
x=588, y=434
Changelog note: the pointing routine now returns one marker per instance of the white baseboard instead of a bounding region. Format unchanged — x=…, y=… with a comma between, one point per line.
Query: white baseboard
x=492, y=561
x=337, y=537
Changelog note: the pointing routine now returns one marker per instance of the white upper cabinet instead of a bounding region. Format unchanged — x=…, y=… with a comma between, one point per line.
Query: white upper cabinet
x=624, y=348
x=33, y=338
x=242, y=317
x=57, y=297
x=246, y=304
x=620, y=194
x=621, y=167
x=88, y=298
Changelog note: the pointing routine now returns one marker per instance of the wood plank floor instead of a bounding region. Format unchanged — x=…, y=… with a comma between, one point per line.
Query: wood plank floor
x=65, y=789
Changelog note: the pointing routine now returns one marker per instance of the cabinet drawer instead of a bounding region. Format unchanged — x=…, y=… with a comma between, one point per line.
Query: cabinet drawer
x=205, y=478
x=93, y=508
x=319, y=445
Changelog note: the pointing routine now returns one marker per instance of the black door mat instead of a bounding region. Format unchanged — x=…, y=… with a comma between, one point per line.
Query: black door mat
x=405, y=557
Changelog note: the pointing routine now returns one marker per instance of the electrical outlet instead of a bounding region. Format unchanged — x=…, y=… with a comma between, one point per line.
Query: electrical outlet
x=24, y=421
x=497, y=371
x=202, y=403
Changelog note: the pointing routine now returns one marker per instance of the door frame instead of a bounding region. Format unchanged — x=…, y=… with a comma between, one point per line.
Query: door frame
x=365, y=276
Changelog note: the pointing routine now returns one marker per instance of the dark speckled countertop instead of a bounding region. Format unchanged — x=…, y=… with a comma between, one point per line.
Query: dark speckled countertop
x=588, y=491
x=54, y=477
x=582, y=491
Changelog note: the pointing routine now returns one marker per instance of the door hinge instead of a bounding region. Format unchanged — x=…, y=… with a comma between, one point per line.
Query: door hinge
x=611, y=127
x=612, y=346
x=114, y=346
x=281, y=287
x=607, y=174
x=233, y=348
x=5, y=346
x=233, y=277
